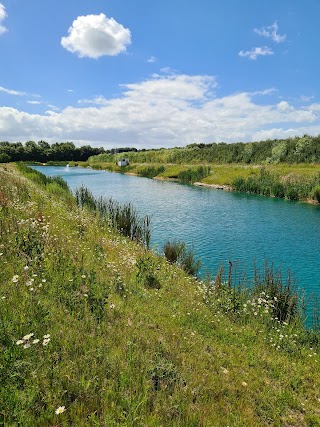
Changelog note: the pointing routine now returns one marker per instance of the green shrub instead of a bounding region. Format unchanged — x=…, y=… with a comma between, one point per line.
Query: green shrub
x=315, y=194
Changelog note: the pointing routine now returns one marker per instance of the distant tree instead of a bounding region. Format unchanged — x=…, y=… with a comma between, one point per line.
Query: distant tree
x=4, y=158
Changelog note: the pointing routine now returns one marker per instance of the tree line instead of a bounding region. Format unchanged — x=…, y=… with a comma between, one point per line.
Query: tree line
x=43, y=152
x=305, y=149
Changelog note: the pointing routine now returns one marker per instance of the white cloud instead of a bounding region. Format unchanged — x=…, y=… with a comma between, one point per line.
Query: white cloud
x=34, y=102
x=98, y=100
x=271, y=32
x=3, y=15
x=12, y=92
x=94, y=36
x=255, y=52
x=264, y=92
x=152, y=59
x=164, y=111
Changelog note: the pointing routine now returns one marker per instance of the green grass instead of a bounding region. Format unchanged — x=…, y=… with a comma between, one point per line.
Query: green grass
x=123, y=352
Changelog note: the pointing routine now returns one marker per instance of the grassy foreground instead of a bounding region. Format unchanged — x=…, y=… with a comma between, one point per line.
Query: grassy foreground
x=86, y=340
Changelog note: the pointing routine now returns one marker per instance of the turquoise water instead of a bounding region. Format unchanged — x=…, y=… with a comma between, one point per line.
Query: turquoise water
x=220, y=225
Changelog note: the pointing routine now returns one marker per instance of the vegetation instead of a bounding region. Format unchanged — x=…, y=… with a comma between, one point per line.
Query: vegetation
x=43, y=152
x=151, y=171
x=177, y=252
x=292, y=187
x=123, y=218
x=304, y=149
x=98, y=331
x=190, y=176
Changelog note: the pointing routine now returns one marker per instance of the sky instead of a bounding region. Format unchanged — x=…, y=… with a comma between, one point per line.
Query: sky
x=144, y=74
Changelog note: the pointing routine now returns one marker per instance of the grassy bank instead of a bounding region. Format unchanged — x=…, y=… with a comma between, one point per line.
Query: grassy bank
x=87, y=339
x=290, y=181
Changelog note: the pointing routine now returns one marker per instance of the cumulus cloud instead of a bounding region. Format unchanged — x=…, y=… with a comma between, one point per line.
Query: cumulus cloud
x=94, y=36
x=271, y=32
x=164, y=111
x=152, y=59
x=255, y=52
x=3, y=15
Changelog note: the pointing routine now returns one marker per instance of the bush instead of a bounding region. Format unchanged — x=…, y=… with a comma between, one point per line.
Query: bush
x=315, y=194
x=4, y=158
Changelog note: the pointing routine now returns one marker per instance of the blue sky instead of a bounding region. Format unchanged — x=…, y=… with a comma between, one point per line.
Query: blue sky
x=158, y=74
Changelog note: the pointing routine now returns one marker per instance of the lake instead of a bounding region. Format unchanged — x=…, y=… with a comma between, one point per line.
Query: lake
x=221, y=226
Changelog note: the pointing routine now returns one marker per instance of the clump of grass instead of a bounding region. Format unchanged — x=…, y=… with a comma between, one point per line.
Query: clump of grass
x=192, y=175
x=177, y=252
x=146, y=272
x=151, y=171
x=123, y=217
x=173, y=251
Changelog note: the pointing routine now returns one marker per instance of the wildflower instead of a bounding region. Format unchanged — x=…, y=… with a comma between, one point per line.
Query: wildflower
x=19, y=342
x=26, y=267
x=224, y=370
x=112, y=306
x=27, y=345
x=45, y=342
x=244, y=384
x=27, y=337
x=46, y=336
x=35, y=341
x=60, y=410
x=4, y=297
x=15, y=278
x=83, y=276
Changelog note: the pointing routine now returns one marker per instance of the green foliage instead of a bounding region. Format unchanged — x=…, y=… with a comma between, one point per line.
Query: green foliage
x=305, y=149
x=122, y=352
x=177, y=252
x=146, y=272
x=192, y=175
x=292, y=187
x=123, y=217
x=173, y=251
x=151, y=171
x=315, y=193
x=4, y=158
x=43, y=152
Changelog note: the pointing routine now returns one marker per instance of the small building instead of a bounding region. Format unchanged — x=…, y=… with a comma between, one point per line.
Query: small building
x=123, y=162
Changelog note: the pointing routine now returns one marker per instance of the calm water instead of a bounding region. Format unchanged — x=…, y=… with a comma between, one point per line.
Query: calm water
x=220, y=225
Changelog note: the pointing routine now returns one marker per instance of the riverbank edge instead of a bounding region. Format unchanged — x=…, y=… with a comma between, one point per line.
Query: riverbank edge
x=213, y=186
x=203, y=184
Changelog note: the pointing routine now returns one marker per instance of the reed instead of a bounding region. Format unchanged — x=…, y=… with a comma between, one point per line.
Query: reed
x=123, y=217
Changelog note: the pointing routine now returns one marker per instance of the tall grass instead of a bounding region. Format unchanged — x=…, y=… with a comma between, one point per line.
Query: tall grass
x=292, y=187
x=177, y=252
x=97, y=331
x=123, y=217
x=151, y=171
x=192, y=175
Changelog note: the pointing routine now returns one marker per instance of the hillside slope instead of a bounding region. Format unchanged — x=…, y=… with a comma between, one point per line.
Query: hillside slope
x=88, y=340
